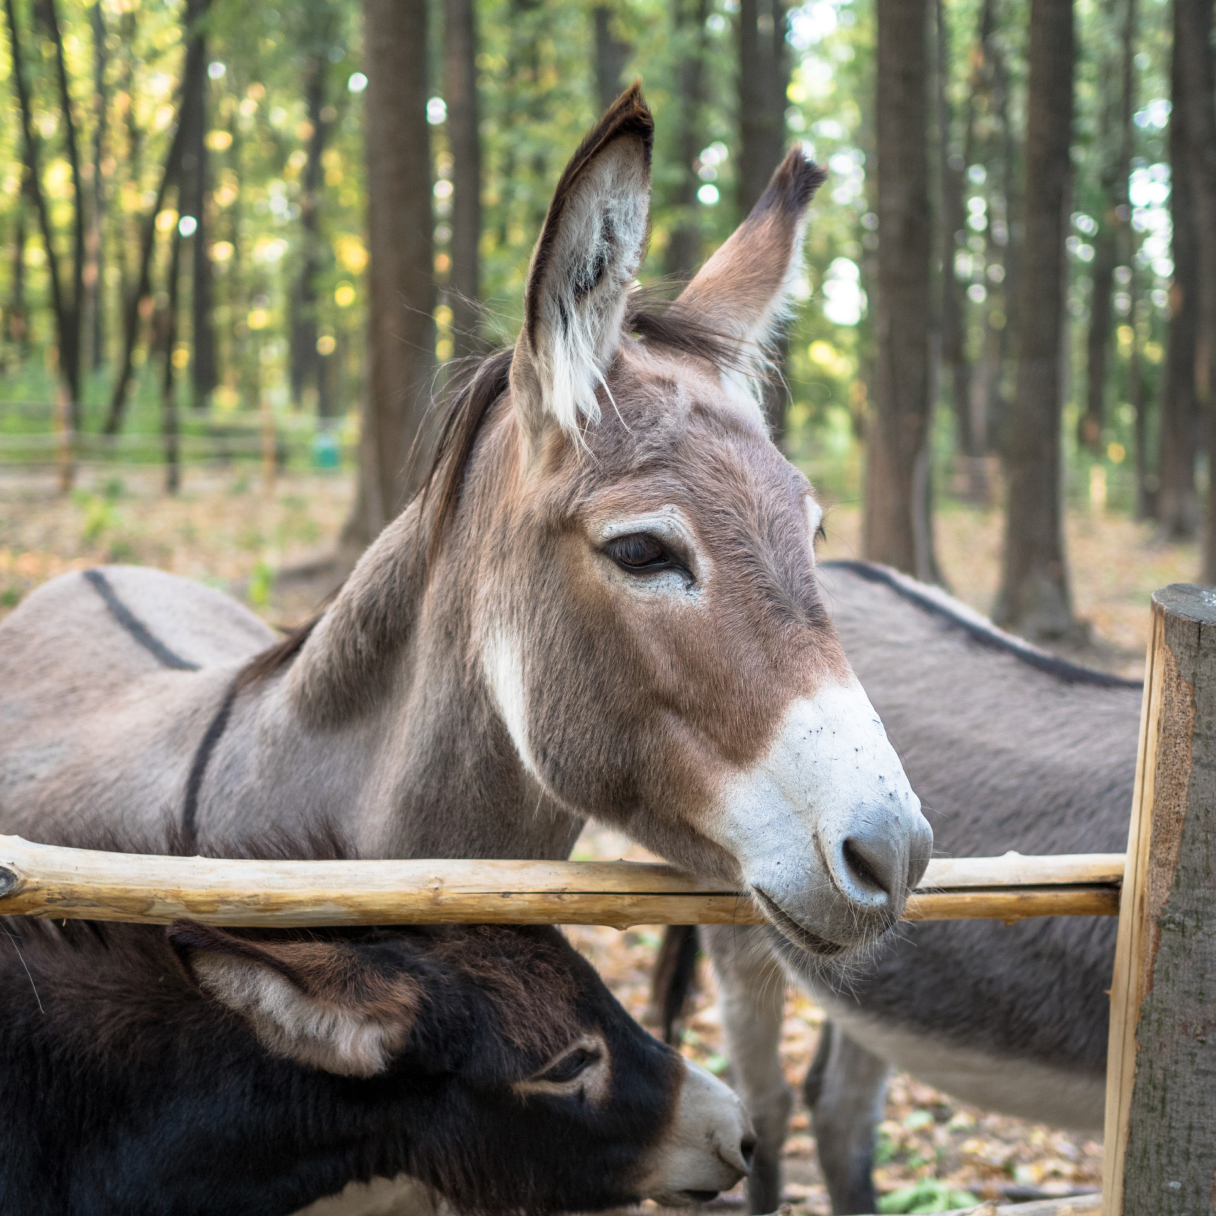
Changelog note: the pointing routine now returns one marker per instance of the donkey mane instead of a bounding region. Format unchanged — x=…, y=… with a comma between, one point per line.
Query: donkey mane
x=659, y=324
x=980, y=630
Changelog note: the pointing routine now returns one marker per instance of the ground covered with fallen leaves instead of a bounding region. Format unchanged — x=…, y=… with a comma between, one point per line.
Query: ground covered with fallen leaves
x=230, y=530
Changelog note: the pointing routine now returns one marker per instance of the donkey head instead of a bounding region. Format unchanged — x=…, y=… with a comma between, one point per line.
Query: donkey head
x=648, y=625
x=492, y=1062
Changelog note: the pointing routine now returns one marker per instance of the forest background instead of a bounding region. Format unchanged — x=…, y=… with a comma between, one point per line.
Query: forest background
x=242, y=231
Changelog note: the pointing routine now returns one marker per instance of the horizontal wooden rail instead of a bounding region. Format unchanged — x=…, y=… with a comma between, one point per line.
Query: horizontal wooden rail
x=44, y=880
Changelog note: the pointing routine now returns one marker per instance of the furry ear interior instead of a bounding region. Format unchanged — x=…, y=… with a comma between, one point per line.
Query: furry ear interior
x=325, y=1004
x=589, y=250
x=744, y=290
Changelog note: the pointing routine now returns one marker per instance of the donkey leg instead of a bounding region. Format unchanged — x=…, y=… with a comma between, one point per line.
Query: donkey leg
x=844, y=1090
x=751, y=997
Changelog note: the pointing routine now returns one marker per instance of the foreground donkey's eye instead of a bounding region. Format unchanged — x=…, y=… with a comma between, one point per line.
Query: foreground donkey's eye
x=570, y=1066
x=640, y=551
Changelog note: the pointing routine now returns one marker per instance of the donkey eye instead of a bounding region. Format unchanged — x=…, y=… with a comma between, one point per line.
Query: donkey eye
x=570, y=1066
x=639, y=551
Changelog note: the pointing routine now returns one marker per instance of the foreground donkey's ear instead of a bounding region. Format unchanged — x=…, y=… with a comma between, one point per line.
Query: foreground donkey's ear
x=319, y=1003
x=589, y=250
x=744, y=289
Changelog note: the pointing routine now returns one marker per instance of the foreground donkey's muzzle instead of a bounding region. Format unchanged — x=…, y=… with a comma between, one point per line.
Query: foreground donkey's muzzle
x=829, y=832
x=708, y=1146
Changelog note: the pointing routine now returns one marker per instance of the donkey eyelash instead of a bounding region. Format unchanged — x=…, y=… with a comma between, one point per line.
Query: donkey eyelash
x=642, y=553
x=821, y=533
x=572, y=1066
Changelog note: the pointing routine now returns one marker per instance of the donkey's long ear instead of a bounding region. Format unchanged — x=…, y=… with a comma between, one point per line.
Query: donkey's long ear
x=589, y=250
x=744, y=289
x=324, y=1003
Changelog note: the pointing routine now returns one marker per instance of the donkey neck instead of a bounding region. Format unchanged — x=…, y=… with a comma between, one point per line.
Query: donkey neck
x=383, y=725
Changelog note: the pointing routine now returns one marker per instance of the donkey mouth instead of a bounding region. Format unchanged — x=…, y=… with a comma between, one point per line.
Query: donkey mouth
x=792, y=930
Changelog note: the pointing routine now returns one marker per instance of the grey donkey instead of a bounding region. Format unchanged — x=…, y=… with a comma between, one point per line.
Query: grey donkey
x=1008, y=748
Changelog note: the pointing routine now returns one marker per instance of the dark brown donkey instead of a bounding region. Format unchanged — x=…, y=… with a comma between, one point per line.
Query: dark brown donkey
x=603, y=607
x=208, y=1073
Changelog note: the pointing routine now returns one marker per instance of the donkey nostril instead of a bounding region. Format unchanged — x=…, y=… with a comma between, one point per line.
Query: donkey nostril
x=871, y=864
x=747, y=1150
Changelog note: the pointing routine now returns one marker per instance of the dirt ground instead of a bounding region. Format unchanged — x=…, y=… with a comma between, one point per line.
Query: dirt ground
x=228, y=530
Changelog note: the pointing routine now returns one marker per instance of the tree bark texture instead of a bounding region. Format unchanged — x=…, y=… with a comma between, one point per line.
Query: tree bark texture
x=1179, y=421
x=168, y=384
x=71, y=330
x=954, y=162
x=612, y=55
x=65, y=306
x=94, y=306
x=1161, y=1071
x=1034, y=597
x=683, y=253
x=16, y=323
x=1193, y=38
x=897, y=531
x=1116, y=84
x=195, y=188
x=764, y=74
x=464, y=141
x=306, y=366
x=401, y=346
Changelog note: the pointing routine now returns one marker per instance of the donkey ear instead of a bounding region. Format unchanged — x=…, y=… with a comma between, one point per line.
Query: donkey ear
x=322, y=1003
x=744, y=289
x=589, y=250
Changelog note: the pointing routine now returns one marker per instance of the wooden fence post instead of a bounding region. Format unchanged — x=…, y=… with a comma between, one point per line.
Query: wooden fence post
x=1161, y=1069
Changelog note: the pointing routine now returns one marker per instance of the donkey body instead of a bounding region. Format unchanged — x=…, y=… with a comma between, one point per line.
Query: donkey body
x=603, y=606
x=1009, y=748
x=197, y=1071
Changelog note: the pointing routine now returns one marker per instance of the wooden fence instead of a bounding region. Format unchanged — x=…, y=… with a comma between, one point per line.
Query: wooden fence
x=1161, y=1074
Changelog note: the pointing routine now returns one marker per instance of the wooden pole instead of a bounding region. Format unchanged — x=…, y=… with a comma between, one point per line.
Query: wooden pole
x=1161, y=1069
x=43, y=880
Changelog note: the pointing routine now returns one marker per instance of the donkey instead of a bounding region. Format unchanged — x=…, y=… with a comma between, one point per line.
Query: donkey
x=202, y=1071
x=1010, y=748
x=603, y=606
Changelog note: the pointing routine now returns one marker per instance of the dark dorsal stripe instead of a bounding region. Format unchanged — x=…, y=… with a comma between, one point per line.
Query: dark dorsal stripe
x=1061, y=669
x=135, y=627
x=198, y=766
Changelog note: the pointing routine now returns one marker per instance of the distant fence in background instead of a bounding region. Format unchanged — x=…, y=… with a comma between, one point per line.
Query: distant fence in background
x=29, y=440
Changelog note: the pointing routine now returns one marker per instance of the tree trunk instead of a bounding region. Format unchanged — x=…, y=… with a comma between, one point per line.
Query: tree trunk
x=1110, y=248
x=764, y=72
x=194, y=190
x=612, y=56
x=169, y=176
x=306, y=369
x=1177, y=509
x=1193, y=33
x=65, y=308
x=168, y=389
x=994, y=408
x=1034, y=597
x=683, y=253
x=95, y=288
x=954, y=162
x=16, y=321
x=897, y=530
x=71, y=330
x=763, y=79
x=464, y=140
x=401, y=326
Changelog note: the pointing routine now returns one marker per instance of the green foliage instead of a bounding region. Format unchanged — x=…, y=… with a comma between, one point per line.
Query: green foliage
x=927, y=1195
x=260, y=583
